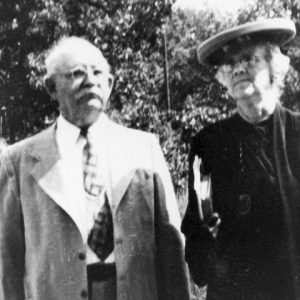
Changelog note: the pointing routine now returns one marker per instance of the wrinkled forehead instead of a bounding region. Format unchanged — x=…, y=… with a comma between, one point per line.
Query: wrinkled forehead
x=88, y=57
x=80, y=54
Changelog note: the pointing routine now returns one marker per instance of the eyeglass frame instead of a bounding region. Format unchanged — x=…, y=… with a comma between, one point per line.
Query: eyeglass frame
x=71, y=74
x=246, y=60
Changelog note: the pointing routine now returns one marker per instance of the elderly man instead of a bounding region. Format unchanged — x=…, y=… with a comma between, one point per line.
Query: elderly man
x=87, y=207
x=247, y=246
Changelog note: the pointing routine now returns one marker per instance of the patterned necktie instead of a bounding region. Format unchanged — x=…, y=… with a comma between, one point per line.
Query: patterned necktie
x=100, y=239
x=92, y=183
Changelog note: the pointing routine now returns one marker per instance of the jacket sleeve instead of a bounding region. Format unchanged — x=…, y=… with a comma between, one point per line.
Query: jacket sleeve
x=200, y=244
x=161, y=169
x=12, y=247
x=171, y=269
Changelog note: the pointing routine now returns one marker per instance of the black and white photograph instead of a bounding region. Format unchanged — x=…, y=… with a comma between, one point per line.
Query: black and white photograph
x=150, y=150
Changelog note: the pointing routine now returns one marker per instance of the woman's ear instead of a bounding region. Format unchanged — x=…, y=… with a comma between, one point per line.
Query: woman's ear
x=50, y=86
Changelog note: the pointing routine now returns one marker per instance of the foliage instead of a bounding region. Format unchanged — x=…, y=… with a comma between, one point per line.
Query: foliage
x=29, y=28
x=130, y=33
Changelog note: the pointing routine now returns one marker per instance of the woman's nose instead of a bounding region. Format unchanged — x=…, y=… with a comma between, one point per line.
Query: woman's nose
x=239, y=68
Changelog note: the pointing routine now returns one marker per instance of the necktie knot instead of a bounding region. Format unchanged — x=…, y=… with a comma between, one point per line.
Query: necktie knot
x=84, y=131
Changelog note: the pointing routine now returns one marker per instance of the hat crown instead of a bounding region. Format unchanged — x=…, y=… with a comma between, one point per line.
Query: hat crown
x=277, y=30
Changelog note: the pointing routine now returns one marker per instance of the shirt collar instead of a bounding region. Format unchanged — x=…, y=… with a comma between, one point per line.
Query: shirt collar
x=99, y=127
x=67, y=134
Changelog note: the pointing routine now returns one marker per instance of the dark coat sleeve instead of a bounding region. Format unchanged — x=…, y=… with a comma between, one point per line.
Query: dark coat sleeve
x=12, y=249
x=199, y=242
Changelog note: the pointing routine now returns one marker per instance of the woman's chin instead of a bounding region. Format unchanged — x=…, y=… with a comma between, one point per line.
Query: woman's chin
x=244, y=91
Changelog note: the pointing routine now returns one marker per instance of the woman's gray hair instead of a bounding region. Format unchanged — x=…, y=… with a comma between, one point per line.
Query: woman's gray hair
x=279, y=64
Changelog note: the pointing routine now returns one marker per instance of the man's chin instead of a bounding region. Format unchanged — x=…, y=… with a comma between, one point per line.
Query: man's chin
x=89, y=116
x=95, y=103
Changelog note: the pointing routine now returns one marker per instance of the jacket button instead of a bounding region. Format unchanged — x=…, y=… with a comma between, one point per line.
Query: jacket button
x=81, y=255
x=84, y=293
x=119, y=241
x=145, y=219
x=122, y=277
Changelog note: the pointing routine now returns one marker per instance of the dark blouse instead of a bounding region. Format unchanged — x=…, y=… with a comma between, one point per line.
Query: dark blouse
x=255, y=236
x=250, y=258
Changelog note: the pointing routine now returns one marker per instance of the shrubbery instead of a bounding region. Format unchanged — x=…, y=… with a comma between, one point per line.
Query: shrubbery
x=130, y=34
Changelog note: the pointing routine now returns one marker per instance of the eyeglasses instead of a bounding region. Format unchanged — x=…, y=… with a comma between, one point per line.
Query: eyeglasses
x=81, y=72
x=246, y=60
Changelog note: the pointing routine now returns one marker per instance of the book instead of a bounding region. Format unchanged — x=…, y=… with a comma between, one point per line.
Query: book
x=203, y=189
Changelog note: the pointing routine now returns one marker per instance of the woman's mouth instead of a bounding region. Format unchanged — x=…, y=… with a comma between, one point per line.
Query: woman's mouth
x=240, y=81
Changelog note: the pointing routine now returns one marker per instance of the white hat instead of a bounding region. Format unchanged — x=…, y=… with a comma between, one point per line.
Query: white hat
x=278, y=31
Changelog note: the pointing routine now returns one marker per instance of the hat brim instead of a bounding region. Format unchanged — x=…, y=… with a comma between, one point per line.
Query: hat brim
x=278, y=31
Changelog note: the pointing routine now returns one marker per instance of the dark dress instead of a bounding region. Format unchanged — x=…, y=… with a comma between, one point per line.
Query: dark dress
x=255, y=182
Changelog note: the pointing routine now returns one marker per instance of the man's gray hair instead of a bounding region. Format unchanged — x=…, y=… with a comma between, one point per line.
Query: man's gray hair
x=65, y=45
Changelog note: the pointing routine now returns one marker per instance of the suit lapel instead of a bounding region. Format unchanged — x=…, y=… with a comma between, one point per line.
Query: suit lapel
x=61, y=183
x=128, y=152
x=58, y=180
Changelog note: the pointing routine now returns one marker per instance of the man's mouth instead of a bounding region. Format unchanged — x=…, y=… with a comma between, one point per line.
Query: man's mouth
x=87, y=97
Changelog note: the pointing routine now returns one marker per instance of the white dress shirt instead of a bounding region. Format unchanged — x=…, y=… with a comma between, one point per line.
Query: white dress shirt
x=70, y=145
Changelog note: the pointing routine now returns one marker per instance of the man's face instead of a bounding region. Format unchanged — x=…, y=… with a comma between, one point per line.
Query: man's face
x=83, y=85
x=246, y=73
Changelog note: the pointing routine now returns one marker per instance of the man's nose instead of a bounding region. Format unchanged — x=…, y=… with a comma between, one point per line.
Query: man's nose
x=91, y=78
x=239, y=68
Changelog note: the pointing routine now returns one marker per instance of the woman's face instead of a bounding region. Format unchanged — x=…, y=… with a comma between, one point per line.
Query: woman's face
x=246, y=73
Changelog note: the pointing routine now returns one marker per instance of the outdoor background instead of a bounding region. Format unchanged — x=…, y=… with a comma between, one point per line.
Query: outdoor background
x=151, y=45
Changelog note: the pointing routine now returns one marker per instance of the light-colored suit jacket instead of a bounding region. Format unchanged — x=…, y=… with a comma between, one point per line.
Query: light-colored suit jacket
x=41, y=244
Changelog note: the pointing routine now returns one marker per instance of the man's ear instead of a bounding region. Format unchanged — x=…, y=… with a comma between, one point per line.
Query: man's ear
x=110, y=81
x=110, y=85
x=50, y=86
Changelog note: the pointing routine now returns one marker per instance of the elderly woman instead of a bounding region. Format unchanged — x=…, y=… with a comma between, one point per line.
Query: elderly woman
x=248, y=245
